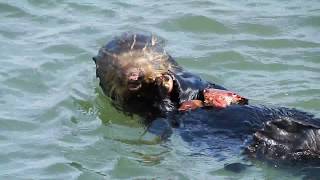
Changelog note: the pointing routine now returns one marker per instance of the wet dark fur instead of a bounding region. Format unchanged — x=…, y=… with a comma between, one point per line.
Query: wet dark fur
x=278, y=135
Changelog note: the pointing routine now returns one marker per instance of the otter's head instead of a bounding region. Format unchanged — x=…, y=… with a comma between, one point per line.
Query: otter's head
x=133, y=66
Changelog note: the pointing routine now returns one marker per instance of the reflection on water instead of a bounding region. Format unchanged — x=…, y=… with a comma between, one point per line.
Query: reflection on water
x=56, y=124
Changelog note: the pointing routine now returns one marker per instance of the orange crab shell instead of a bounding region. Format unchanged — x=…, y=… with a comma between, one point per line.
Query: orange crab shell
x=222, y=98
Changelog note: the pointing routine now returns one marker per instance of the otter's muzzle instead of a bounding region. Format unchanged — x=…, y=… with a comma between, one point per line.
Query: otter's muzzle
x=134, y=77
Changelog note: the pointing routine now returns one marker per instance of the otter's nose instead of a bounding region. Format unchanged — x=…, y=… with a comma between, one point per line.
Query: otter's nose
x=133, y=76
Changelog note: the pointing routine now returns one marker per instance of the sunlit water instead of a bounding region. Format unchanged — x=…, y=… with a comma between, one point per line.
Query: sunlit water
x=56, y=124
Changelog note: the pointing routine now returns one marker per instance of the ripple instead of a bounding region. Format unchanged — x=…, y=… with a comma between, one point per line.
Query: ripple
x=214, y=60
x=59, y=170
x=312, y=21
x=92, y=8
x=195, y=23
x=203, y=3
x=228, y=56
x=278, y=43
x=66, y=49
x=88, y=173
x=31, y=82
x=43, y=4
x=11, y=34
x=16, y=125
x=312, y=57
x=307, y=104
x=124, y=4
x=258, y=29
x=12, y=11
x=127, y=168
x=52, y=66
x=305, y=92
x=33, y=167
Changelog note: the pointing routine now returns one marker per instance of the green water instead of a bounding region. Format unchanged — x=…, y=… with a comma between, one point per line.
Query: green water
x=56, y=124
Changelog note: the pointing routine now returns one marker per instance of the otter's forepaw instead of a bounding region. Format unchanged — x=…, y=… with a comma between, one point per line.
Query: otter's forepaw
x=190, y=105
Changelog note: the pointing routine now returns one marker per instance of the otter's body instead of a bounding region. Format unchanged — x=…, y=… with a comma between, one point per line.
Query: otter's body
x=141, y=78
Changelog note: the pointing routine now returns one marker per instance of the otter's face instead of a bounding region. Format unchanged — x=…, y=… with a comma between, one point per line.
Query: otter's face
x=134, y=73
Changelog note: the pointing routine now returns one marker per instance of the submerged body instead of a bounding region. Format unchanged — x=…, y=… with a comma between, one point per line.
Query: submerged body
x=141, y=78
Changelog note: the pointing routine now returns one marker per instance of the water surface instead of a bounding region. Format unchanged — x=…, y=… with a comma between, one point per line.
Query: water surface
x=56, y=124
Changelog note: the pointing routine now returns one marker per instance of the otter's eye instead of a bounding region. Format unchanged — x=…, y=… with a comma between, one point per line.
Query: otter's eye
x=166, y=77
x=94, y=59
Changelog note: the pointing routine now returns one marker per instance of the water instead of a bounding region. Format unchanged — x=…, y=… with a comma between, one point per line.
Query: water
x=56, y=124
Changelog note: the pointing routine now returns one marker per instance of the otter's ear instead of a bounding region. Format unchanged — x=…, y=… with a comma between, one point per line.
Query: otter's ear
x=95, y=59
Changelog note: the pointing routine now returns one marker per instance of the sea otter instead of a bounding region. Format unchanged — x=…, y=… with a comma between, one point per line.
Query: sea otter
x=141, y=78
